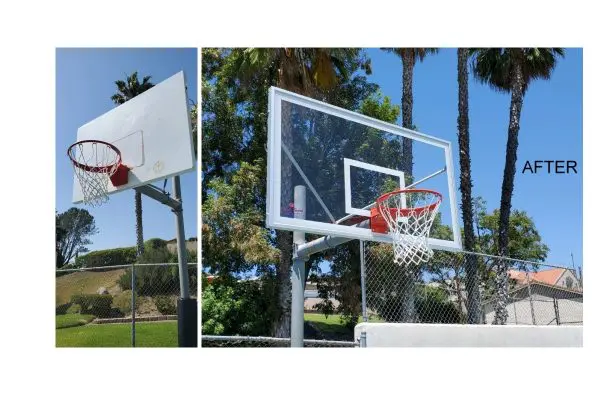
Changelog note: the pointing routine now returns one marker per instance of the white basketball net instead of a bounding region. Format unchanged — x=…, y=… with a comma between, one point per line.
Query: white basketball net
x=409, y=215
x=94, y=163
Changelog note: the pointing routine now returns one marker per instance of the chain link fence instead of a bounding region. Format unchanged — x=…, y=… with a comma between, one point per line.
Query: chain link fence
x=257, y=341
x=121, y=305
x=443, y=290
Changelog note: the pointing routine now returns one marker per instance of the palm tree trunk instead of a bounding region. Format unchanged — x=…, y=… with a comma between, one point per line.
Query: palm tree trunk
x=408, y=65
x=466, y=186
x=282, y=328
x=512, y=143
x=139, y=229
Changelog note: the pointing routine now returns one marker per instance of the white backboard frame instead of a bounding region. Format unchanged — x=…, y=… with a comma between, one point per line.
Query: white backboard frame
x=274, y=219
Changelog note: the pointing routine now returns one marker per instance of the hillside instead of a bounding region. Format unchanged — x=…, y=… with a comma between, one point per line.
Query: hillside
x=86, y=282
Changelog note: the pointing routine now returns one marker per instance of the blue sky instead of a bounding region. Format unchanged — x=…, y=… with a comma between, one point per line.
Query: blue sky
x=84, y=84
x=551, y=129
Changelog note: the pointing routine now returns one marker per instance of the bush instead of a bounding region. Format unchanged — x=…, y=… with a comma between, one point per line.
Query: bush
x=239, y=308
x=155, y=243
x=122, y=302
x=152, y=280
x=110, y=257
x=166, y=305
x=99, y=305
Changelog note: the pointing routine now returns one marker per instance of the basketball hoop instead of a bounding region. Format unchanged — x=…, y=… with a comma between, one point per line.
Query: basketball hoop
x=408, y=214
x=95, y=163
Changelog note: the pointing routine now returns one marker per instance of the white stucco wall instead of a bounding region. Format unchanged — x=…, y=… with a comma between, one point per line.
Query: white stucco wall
x=451, y=335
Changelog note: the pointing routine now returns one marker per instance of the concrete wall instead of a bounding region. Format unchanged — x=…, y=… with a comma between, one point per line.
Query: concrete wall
x=451, y=335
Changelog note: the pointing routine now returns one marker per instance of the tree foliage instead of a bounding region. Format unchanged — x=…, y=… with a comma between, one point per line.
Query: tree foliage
x=73, y=230
x=234, y=132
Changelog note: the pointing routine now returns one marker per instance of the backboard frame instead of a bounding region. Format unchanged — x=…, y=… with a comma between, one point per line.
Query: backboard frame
x=275, y=220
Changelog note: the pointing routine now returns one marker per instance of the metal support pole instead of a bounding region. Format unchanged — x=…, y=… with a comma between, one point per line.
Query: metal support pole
x=298, y=273
x=556, y=310
x=530, y=299
x=363, y=283
x=132, y=305
x=187, y=308
x=363, y=339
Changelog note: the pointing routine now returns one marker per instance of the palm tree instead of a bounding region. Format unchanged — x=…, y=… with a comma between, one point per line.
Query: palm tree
x=409, y=58
x=466, y=186
x=306, y=71
x=511, y=71
x=127, y=90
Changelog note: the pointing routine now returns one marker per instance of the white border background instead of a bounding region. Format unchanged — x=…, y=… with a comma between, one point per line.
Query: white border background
x=33, y=368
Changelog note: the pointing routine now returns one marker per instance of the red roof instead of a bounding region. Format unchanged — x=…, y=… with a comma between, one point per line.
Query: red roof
x=549, y=276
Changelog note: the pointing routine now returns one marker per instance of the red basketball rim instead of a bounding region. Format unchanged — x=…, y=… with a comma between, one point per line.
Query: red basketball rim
x=407, y=211
x=89, y=168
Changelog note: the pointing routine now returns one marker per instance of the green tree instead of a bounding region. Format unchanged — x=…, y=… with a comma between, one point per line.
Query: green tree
x=127, y=90
x=307, y=71
x=466, y=187
x=511, y=70
x=73, y=229
x=409, y=57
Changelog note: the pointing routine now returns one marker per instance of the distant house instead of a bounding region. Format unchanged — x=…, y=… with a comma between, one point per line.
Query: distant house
x=549, y=297
x=555, y=276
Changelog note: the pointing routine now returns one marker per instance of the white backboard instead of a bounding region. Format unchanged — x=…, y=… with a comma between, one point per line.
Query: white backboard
x=346, y=160
x=152, y=131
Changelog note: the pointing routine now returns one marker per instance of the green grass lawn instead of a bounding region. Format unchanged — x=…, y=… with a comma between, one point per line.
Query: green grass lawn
x=70, y=320
x=148, y=334
x=330, y=324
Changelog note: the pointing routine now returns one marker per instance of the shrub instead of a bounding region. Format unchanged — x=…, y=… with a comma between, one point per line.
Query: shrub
x=166, y=305
x=152, y=280
x=73, y=309
x=103, y=258
x=99, y=305
x=155, y=243
x=243, y=308
x=122, y=302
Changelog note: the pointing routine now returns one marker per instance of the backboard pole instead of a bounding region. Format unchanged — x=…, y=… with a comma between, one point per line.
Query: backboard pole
x=187, y=308
x=298, y=272
x=133, y=288
x=363, y=283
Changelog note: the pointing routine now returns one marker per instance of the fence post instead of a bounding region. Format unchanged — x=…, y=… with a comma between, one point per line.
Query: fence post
x=530, y=298
x=363, y=284
x=556, y=311
x=363, y=339
x=132, y=305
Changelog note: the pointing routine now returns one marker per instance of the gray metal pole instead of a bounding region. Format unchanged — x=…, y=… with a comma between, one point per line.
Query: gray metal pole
x=363, y=283
x=184, y=282
x=187, y=308
x=298, y=273
x=132, y=305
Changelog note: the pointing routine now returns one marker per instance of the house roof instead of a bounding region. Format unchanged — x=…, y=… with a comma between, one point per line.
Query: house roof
x=549, y=276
